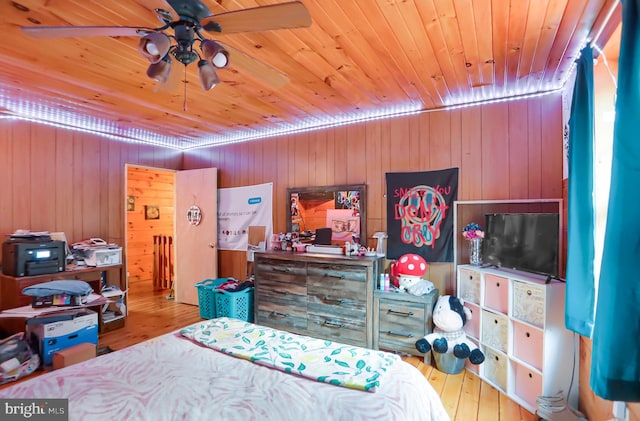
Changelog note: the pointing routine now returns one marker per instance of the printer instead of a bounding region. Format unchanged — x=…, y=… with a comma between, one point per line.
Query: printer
x=34, y=255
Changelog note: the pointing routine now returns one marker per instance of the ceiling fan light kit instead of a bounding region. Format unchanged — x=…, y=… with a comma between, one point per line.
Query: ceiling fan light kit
x=215, y=53
x=194, y=17
x=160, y=71
x=154, y=46
x=207, y=75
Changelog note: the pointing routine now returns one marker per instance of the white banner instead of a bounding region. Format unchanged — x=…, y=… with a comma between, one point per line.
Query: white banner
x=239, y=208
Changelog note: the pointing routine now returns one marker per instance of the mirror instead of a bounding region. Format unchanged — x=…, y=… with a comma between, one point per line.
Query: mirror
x=341, y=208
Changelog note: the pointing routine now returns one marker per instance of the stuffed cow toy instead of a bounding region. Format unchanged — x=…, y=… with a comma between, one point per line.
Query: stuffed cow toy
x=449, y=316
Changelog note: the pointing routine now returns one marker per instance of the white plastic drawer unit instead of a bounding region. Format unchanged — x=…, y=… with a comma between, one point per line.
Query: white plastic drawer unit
x=528, y=303
x=469, y=286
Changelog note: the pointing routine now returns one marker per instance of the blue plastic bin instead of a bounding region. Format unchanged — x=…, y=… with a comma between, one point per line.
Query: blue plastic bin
x=207, y=296
x=235, y=304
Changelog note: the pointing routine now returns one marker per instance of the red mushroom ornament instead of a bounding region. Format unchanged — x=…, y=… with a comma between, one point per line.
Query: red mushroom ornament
x=410, y=269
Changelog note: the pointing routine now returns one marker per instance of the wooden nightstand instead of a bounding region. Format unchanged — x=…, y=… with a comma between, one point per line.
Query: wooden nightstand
x=400, y=319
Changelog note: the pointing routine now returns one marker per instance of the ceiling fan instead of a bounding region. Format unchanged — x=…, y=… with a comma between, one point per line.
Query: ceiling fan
x=176, y=38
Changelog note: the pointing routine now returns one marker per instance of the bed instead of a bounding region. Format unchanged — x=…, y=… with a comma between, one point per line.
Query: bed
x=179, y=376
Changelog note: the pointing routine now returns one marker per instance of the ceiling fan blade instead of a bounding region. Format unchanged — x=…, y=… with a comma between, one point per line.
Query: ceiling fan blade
x=264, y=18
x=255, y=67
x=84, y=31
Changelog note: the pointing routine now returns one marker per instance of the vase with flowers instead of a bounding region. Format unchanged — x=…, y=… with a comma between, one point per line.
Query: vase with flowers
x=474, y=233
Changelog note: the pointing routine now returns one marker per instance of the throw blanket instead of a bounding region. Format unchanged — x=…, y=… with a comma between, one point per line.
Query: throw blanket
x=317, y=359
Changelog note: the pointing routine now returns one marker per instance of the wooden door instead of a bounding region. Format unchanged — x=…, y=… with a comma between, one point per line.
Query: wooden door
x=196, y=245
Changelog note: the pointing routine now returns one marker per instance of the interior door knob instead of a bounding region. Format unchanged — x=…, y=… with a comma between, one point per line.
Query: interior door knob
x=212, y=245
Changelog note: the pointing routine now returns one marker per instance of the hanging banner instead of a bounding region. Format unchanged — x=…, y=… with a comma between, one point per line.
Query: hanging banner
x=239, y=208
x=420, y=214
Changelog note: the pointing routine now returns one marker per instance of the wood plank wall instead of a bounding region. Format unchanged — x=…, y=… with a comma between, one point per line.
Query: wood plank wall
x=509, y=150
x=59, y=180
x=148, y=187
x=53, y=179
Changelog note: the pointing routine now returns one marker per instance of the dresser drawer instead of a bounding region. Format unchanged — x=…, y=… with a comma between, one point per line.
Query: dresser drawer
x=496, y=293
x=469, y=285
x=337, y=289
x=401, y=324
x=528, y=303
x=338, y=329
x=319, y=273
x=281, y=305
x=281, y=315
x=495, y=330
x=276, y=290
x=289, y=271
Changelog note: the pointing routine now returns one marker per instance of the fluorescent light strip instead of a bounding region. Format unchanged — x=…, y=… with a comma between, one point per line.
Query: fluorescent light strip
x=498, y=100
x=50, y=114
x=605, y=22
x=310, y=124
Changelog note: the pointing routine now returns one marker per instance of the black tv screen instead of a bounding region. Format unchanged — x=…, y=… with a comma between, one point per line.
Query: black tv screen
x=522, y=241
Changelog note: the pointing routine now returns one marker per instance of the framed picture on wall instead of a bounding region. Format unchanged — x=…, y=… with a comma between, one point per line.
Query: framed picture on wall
x=151, y=212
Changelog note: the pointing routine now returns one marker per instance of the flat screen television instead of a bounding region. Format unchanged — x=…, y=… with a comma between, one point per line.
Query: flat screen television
x=522, y=241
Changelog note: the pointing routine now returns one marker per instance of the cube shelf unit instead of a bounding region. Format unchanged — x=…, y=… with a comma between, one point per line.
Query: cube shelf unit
x=518, y=317
x=518, y=322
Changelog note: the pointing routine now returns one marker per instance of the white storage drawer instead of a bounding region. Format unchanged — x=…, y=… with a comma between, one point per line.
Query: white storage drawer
x=472, y=327
x=495, y=367
x=528, y=303
x=469, y=287
x=528, y=384
x=528, y=344
x=496, y=293
x=495, y=330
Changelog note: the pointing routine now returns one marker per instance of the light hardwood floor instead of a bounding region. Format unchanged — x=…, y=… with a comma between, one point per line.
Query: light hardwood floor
x=465, y=396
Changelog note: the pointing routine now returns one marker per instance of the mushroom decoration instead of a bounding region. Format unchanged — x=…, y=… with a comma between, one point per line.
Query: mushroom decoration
x=410, y=269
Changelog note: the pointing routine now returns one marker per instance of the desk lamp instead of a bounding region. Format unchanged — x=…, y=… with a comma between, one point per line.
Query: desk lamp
x=380, y=236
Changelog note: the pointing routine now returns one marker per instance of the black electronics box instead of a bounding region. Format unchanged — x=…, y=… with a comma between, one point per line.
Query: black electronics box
x=33, y=256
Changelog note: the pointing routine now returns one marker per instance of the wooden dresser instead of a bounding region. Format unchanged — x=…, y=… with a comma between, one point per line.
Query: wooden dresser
x=325, y=296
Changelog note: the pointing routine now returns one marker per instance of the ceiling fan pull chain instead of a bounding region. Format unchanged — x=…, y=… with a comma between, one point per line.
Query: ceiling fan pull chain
x=184, y=104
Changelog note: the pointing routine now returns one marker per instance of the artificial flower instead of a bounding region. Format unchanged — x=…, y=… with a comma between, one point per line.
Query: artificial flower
x=472, y=230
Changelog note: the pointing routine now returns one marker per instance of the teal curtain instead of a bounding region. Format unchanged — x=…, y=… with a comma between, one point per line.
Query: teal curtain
x=580, y=296
x=615, y=365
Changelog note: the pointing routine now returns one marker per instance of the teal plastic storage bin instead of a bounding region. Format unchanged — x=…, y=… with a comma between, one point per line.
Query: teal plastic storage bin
x=235, y=304
x=207, y=296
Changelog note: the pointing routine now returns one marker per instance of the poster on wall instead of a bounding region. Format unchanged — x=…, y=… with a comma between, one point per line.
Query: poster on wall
x=242, y=207
x=420, y=214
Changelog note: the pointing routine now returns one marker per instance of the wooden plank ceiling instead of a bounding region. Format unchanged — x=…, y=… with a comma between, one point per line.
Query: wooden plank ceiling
x=357, y=57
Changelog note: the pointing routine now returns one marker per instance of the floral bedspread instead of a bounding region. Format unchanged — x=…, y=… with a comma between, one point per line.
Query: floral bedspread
x=321, y=360
x=171, y=378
